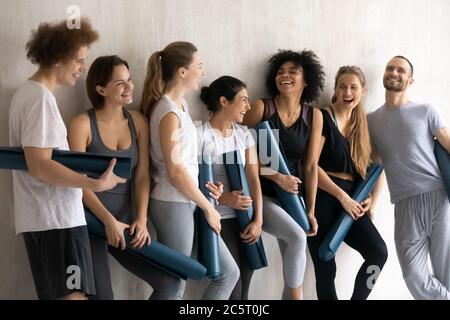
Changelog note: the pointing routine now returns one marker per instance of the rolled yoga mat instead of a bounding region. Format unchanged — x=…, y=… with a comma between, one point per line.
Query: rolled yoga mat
x=255, y=253
x=208, y=240
x=94, y=165
x=344, y=221
x=292, y=203
x=443, y=161
x=157, y=254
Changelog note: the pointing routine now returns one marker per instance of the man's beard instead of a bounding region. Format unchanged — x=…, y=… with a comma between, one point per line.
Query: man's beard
x=398, y=87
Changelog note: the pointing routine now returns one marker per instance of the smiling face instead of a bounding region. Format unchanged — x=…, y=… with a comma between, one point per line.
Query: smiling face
x=193, y=74
x=289, y=78
x=119, y=90
x=349, y=90
x=397, y=75
x=236, y=108
x=67, y=73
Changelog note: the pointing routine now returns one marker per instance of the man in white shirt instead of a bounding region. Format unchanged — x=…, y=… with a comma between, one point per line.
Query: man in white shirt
x=48, y=197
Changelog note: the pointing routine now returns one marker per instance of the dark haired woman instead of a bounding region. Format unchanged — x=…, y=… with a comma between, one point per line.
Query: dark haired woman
x=344, y=159
x=173, y=72
x=109, y=128
x=293, y=80
x=227, y=100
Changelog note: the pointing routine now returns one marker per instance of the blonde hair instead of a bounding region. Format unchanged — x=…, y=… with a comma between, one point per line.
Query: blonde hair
x=359, y=138
x=161, y=68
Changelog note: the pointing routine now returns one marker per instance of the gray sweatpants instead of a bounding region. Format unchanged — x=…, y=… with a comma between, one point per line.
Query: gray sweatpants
x=174, y=225
x=422, y=230
x=291, y=240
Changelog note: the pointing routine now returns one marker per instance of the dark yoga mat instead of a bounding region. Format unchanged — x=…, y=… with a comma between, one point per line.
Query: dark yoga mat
x=443, y=161
x=208, y=241
x=157, y=254
x=292, y=203
x=94, y=165
x=344, y=221
x=255, y=253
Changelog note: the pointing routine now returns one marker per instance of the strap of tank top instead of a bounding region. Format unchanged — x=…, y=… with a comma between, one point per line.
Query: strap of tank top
x=334, y=116
x=94, y=129
x=130, y=124
x=269, y=109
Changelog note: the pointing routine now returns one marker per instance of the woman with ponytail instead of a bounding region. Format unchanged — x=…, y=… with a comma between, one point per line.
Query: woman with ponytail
x=344, y=159
x=171, y=73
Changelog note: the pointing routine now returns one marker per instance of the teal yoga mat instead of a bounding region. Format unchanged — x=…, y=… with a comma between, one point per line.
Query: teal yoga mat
x=255, y=253
x=341, y=226
x=293, y=204
x=157, y=254
x=94, y=165
x=208, y=240
x=443, y=161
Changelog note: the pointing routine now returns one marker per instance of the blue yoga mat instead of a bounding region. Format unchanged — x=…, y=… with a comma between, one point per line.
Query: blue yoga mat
x=208, y=240
x=293, y=204
x=255, y=253
x=157, y=254
x=443, y=161
x=94, y=165
x=344, y=221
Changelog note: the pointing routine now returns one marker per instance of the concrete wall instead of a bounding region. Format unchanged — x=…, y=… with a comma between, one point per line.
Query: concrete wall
x=235, y=38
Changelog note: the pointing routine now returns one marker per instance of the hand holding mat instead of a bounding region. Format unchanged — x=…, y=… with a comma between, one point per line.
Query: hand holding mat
x=255, y=253
x=94, y=165
x=344, y=221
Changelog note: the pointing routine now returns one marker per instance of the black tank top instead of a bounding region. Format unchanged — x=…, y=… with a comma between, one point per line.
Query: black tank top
x=119, y=200
x=335, y=156
x=294, y=140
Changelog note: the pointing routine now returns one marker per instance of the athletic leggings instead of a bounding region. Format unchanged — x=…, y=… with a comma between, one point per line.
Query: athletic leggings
x=230, y=235
x=362, y=236
x=291, y=240
x=174, y=225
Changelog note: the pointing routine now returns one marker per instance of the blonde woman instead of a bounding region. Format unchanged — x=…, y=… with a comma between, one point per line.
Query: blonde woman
x=344, y=159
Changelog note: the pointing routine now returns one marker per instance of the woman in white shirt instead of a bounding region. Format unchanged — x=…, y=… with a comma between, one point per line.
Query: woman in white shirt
x=227, y=99
x=173, y=72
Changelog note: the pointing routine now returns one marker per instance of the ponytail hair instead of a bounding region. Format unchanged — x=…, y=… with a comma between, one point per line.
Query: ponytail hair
x=359, y=139
x=162, y=67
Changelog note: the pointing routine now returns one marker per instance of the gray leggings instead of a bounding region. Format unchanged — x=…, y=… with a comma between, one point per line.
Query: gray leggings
x=174, y=225
x=291, y=240
x=422, y=231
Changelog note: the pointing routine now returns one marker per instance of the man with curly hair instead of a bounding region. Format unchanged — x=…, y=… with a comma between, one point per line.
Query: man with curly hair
x=294, y=80
x=48, y=197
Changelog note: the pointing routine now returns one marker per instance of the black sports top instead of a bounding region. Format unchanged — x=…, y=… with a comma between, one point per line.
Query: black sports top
x=294, y=140
x=335, y=156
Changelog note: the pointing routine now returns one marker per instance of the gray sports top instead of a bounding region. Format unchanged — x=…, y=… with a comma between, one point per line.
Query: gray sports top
x=119, y=200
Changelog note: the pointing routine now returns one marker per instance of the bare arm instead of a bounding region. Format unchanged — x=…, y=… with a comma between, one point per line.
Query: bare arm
x=311, y=166
x=443, y=136
x=178, y=175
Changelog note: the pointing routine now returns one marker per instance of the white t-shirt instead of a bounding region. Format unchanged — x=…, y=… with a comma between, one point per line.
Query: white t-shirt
x=213, y=143
x=35, y=121
x=162, y=189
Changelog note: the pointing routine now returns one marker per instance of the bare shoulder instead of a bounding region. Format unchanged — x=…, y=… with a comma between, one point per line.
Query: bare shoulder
x=80, y=123
x=140, y=121
x=255, y=114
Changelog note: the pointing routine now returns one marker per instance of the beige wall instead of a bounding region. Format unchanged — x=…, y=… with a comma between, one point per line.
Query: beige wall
x=235, y=38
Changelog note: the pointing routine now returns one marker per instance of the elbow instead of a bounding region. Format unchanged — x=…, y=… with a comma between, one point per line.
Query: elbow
x=35, y=170
x=175, y=174
x=311, y=167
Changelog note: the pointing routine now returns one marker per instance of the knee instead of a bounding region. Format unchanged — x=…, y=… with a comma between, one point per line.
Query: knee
x=297, y=237
x=378, y=254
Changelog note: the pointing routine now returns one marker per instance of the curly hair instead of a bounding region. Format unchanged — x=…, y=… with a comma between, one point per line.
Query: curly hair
x=313, y=73
x=54, y=42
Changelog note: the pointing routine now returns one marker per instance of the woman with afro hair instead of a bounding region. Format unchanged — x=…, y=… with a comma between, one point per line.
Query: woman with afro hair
x=294, y=80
